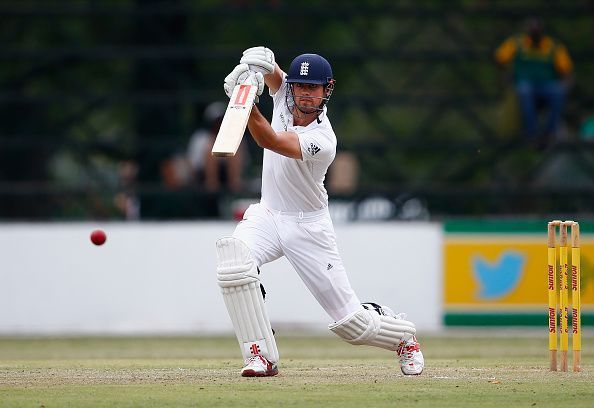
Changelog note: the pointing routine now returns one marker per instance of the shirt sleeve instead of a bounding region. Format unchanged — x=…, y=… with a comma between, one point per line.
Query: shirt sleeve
x=562, y=60
x=506, y=51
x=315, y=146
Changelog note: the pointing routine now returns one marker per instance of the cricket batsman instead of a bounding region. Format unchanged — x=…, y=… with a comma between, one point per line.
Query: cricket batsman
x=292, y=220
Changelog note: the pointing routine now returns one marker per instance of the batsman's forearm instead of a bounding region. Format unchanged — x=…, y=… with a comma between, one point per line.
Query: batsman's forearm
x=261, y=130
x=274, y=80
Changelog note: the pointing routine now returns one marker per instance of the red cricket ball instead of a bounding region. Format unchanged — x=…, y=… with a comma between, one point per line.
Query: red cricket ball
x=98, y=237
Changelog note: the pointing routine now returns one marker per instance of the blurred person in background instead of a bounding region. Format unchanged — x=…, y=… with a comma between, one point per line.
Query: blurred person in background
x=127, y=200
x=292, y=220
x=541, y=70
x=211, y=172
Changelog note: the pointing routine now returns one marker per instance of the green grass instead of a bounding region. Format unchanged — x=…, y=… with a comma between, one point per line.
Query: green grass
x=463, y=369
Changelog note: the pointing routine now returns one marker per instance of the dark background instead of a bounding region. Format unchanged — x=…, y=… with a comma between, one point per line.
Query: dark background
x=88, y=85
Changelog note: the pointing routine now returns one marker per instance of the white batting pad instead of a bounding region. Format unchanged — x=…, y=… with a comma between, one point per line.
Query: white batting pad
x=238, y=278
x=370, y=328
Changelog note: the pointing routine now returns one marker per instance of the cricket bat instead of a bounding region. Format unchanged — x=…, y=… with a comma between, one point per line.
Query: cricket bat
x=235, y=120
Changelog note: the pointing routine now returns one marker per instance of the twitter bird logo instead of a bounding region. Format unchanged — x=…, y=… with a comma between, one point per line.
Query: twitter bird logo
x=499, y=278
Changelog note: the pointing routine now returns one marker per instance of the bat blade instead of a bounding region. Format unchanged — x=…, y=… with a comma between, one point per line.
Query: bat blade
x=235, y=121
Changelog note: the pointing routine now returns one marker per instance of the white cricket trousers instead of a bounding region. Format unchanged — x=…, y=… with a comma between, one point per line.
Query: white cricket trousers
x=308, y=241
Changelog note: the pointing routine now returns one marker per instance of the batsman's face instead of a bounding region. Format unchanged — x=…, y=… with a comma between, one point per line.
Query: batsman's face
x=308, y=96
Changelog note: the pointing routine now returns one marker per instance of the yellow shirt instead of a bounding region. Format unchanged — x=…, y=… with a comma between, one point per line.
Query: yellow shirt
x=506, y=52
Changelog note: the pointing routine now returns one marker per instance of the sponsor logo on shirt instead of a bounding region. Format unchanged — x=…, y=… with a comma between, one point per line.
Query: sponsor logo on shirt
x=313, y=149
x=283, y=121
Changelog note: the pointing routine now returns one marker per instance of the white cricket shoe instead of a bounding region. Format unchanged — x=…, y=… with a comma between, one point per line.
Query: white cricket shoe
x=259, y=366
x=412, y=361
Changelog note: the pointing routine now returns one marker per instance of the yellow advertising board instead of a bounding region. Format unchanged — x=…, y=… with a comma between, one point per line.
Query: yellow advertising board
x=502, y=277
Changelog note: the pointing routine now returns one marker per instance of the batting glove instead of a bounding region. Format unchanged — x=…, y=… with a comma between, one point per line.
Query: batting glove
x=259, y=59
x=233, y=78
x=253, y=78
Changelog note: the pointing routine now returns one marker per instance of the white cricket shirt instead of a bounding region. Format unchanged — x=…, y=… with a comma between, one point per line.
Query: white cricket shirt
x=294, y=185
